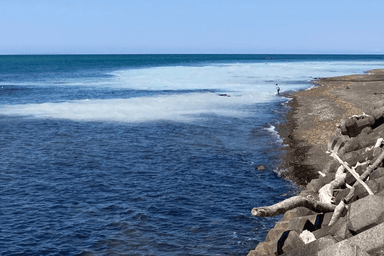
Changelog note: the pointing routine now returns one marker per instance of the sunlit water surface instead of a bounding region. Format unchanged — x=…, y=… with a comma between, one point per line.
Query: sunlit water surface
x=140, y=155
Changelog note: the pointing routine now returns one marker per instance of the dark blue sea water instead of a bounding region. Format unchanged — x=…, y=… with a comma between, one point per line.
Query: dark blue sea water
x=139, y=155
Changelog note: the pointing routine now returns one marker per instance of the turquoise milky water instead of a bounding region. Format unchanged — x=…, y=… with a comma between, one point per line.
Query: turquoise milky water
x=139, y=155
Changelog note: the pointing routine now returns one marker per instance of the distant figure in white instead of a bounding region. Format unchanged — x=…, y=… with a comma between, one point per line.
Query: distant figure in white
x=278, y=89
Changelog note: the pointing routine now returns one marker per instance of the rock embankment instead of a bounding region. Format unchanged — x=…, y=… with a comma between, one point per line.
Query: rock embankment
x=357, y=141
x=360, y=229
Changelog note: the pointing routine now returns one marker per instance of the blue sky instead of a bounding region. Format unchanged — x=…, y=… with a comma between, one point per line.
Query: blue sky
x=209, y=26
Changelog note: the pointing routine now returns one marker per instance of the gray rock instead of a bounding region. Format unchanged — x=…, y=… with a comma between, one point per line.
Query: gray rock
x=379, y=172
x=297, y=212
x=370, y=240
x=289, y=241
x=343, y=249
x=341, y=142
x=353, y=129
x=332, y=142
x=366, y=213
x=261, y=167
x=326, y=241
x=340, y=229
x=361, y=192
x=300, y=224
x=363, y=123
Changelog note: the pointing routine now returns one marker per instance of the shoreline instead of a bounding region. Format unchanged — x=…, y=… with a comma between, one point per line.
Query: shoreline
x=339, y=113
x=313, y=115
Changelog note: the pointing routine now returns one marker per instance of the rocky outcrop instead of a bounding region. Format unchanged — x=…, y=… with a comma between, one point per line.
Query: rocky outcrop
x=359, y=229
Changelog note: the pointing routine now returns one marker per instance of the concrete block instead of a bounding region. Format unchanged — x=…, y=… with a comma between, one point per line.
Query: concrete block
x=344, y=130
x=371, y=119
x=297, y=212
x=366, y=213
x=312, y=185
x=376, y=152
x=307, y=249
x=343, y=249
x=366, y=140
x=322, y=220
x=261, y=250
x=363, y=123
x=322, y=232
x=340, y=229
x=342, y=121
x=353, y=129
x=361, y=192
x=288, y=242
x=282, y=225
x=379, y=172
x=380, y=181
x=378, y=104
x=341, y=142
x=332, y=142
x=349, y=179
x=351, y=145
x=325, y=242
x=366, y=130
x=342, y=194
x=377, y=114
x=324, y=180
x=378, y=126
x=338, y=132
x=331, y=166
x=357, y=156
x=369, y=155
x=274, y=233
x=370, y=241
x=300, y=224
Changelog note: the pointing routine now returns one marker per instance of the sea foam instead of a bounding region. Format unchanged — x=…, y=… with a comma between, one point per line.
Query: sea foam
x=192, y=92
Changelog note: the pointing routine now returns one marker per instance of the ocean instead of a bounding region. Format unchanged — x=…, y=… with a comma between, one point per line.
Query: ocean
x=146, y=154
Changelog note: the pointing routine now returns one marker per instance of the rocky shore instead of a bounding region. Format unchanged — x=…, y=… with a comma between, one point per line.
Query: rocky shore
x=343, y=116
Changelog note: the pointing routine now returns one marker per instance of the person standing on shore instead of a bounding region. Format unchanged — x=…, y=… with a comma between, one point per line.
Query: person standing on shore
x=278, y=89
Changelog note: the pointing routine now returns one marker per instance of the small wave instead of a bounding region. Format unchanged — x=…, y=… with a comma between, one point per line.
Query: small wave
x=310, y=88
x=272, y=129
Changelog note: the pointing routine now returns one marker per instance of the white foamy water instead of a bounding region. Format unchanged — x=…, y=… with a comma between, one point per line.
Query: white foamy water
x=245, y=83
x=182, y=107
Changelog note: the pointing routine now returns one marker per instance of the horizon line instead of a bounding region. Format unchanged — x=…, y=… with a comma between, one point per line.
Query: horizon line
x=32, y=54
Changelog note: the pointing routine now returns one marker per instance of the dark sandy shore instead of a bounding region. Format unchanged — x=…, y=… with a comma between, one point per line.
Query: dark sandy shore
x=314, y=114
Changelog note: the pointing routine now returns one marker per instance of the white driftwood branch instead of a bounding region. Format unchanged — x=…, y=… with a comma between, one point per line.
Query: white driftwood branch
x=321, y=173
x=340, y=171
x=354, y=174
x=291, y=203
x=373, y=166
x=337, y=213
x=379, y=142
x=326, y=192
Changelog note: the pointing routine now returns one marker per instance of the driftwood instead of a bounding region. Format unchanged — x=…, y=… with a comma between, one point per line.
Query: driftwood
x=337, y=213
x=375, y=164
x=326, y=192
x=291, y=203
x=353, y=172
x=365, y=175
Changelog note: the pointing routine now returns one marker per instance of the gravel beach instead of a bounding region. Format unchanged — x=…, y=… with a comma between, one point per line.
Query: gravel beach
x=314, y=114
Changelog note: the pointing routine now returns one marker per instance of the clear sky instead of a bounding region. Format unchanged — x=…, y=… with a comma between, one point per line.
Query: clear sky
x=191, y=26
